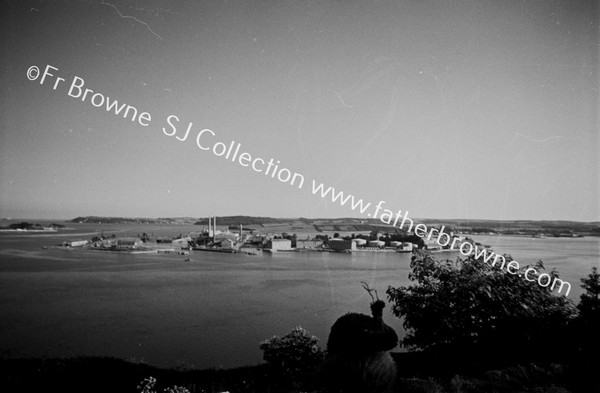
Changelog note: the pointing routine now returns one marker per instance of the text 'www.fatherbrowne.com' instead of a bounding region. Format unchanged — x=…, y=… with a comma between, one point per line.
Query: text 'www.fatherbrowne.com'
x=465, y=247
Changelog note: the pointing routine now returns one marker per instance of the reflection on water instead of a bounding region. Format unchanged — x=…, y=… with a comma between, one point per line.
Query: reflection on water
x=211, y=311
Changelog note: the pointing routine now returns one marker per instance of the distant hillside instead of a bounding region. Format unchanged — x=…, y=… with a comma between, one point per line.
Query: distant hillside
x=249, y=220
x=30, y=226
x=521, y=227
x=135, y=220
x=508, y=227
x=513, y=223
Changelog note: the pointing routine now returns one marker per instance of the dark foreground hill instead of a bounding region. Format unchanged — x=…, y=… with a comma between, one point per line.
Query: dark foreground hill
x=417, y=373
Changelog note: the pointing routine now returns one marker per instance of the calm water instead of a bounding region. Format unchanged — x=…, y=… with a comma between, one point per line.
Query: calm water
x=211, y=311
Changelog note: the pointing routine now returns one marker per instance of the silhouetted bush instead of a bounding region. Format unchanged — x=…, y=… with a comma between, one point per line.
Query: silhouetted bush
x=480, y=313
x=295, y=358
x=587, y=325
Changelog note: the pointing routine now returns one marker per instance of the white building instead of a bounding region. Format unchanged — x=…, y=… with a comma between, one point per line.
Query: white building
x=75, y=243
x=359, y=241
x=183, y=242
x=308, y=244
x=128, y=243
x=376, y=243
x=342, y=245
x=279, y=245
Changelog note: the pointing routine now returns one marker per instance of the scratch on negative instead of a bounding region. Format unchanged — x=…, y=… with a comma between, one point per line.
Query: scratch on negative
x=341, y=100
x=132, y=17
x=538, y=140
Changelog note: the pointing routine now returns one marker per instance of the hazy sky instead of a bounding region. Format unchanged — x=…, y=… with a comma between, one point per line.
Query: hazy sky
x=447, y=109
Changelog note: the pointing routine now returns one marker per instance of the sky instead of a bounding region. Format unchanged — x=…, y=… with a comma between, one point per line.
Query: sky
x=445, y=109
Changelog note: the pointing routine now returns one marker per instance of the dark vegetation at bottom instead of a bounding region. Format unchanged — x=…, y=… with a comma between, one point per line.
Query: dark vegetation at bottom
x=417, y=372
x=105, y=374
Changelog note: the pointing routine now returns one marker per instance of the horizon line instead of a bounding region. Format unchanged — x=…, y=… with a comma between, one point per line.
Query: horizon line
x=299, y=218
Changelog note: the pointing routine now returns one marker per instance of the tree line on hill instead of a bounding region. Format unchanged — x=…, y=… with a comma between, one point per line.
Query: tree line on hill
x=30, y=226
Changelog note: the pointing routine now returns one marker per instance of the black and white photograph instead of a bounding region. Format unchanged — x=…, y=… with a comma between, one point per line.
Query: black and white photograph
x=300, y=196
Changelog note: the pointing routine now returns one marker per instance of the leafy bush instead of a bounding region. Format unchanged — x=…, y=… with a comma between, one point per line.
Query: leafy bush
x=296, y=357
x=468, y=307
x=588, y=321
x=148, y=385
x=589, y=304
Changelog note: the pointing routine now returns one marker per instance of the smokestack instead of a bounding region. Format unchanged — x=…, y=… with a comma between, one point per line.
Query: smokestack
x=240, y=230
x=215, y=229
x=209, y=226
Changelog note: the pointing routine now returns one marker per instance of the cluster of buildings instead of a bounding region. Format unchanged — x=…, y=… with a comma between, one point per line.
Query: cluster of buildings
x=361, y=244
x=252, y=242
x=106, y=243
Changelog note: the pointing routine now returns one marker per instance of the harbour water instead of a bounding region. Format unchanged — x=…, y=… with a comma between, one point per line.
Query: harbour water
x=210, y=311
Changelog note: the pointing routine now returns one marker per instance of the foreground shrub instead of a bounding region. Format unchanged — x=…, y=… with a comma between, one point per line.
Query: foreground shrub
x=588, y=320
x=295, y=357
x=470, y=308
x=148, y=386
x=589, y=304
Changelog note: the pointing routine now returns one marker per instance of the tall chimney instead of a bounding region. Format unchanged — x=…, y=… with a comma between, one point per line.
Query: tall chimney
x=215, y=229
x=209, y=226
